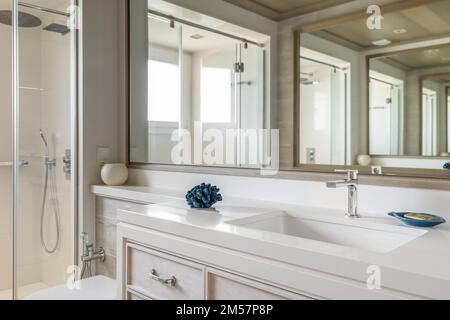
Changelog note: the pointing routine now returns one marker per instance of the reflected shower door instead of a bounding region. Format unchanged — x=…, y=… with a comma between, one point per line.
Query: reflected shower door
x=45, y=146
x=251, y=106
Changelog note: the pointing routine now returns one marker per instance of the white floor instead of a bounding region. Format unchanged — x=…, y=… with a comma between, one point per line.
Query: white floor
x=23, y=291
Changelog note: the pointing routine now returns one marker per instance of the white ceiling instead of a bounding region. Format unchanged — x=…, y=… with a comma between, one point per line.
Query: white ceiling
x=161, y=34
x=283, y=9
x=200, y=19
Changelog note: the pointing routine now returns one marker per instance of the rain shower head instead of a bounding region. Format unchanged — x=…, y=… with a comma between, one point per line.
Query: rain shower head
x=26, y=20
x=308, y=82
x=58, y=28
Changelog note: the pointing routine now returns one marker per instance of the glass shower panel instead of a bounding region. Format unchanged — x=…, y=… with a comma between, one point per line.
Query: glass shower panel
x=218, y=103
x=252, y=104
x=338, y=115
x=45, y=198
x=6, y=156
x=209, y=105
x=447, y=93
x=429, y=122
x=380, y=117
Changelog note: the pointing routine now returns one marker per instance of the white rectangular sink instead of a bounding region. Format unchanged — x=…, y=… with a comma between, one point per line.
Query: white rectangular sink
x=355, y=234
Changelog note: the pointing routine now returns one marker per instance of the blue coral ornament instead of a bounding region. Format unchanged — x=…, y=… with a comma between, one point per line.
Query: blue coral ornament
x=447, y=166
x=203, y=196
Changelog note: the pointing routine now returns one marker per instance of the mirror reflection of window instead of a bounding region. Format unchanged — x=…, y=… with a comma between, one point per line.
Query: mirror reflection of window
x=164, y=101
x=217, y=88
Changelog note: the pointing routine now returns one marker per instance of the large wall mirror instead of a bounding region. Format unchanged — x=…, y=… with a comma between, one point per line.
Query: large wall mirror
x=372, y=91
x=198, y=87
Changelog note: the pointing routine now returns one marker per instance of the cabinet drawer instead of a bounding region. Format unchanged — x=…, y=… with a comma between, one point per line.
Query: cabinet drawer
x=163, y=277
x=226, y=286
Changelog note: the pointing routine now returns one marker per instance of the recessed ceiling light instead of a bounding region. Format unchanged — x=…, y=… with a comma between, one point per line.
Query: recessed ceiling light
x=382, y=42
x=431, y=51
x=197, y=36
x=400, y=31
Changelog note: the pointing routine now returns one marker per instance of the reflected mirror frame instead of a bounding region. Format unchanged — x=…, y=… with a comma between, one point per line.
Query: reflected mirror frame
x=421, y=79
x=296, y=164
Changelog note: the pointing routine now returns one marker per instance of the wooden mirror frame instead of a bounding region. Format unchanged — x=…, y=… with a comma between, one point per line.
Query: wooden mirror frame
x=387, y=171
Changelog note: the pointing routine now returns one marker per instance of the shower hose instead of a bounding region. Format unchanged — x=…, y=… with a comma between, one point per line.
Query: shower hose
x=51, y=190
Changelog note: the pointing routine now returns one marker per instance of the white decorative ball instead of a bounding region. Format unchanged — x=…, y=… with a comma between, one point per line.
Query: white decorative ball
x=364, y=160
x=114, y=174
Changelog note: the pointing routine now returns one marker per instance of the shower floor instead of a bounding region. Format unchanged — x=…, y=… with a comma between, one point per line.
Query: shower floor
x=23, y=291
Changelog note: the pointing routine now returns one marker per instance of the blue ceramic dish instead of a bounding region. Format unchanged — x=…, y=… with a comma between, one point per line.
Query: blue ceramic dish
x=422, y=220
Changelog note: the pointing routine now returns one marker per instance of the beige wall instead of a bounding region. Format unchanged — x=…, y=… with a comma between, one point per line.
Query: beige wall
x=103, y=102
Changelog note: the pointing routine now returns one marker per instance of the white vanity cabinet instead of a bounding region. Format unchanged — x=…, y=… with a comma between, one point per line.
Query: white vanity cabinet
x=156, y=265
x=146, y=272
x=156, y=275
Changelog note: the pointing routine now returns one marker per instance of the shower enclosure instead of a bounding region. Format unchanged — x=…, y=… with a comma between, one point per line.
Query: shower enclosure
x=38, y=147
x=325, y=100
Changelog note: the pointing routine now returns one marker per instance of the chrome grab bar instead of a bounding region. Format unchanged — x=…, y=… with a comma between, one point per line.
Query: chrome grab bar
x=172, y=281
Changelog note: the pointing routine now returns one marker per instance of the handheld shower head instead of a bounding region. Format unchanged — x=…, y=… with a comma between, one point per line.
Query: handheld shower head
x=44, y=140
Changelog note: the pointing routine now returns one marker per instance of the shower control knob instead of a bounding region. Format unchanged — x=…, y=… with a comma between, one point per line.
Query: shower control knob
x=24, y=163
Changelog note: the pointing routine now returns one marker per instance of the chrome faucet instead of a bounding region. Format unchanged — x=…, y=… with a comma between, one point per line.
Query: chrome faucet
x=352, y=184
x=89, y=255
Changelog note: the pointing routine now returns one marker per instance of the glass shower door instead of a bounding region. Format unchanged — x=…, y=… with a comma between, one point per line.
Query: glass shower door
x=6, y=174
x=45, y=146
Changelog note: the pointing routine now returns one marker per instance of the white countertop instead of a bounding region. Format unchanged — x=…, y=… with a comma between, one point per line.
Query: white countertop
x=420, y=267
x=135, y=194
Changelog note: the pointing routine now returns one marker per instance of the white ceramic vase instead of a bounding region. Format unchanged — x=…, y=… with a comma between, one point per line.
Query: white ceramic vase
x=114, y=174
